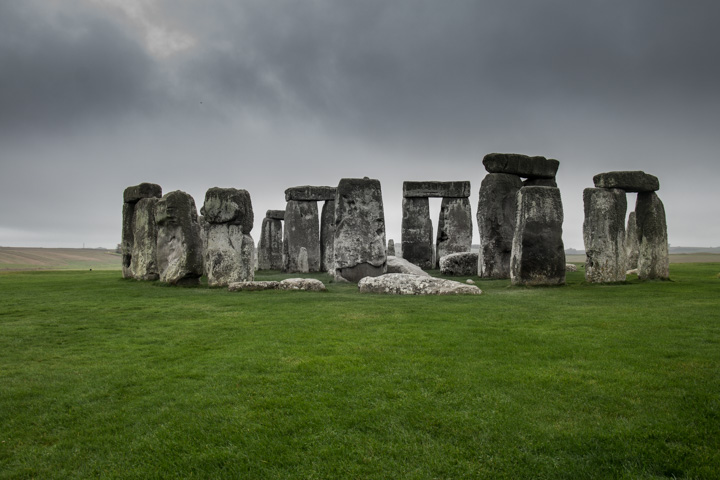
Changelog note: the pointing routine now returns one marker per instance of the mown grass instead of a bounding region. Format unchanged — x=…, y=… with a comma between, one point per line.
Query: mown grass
x=110, y=378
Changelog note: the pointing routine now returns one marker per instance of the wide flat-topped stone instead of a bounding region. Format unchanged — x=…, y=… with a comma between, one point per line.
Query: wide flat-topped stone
x=275, y=214
x=630, y=181
x=521, y=165
x=144, y=190
x=228, y=205
x=309, y=193
x=459, y=189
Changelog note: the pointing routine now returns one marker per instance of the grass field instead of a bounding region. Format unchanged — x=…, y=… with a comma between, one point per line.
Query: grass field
x=102, y=377
x=25, y=258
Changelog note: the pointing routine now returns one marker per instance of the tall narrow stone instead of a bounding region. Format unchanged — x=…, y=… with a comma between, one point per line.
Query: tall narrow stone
x=144, y=268
x=604, y=235
x=391, y=248
x=302, y=229
x=454, y=233
x=327, y=237
x=144, y=249
x=179, y=245
x=632, y=246
x=417, y=232
x=538, y=254
x=496, y=215
x=270, y=248
x=359, y=230
x=653, y=260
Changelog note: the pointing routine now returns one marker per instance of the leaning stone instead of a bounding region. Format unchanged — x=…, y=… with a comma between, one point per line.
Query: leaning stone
x=455, y=228
x=305, y=284
x=391, y=248
x=303, y=261
x=521, y=165
x=327, y=237
x=604, y=235
x=144, y=190
x=570, y=267
x=459, y=189
x=400, y=265
x=253, y=286
x=308, y=193
x=630, y=181
x=632, y=245
x=538, y=254
x=653, y=260
x=302, y=229
x=359, y=247
x=143, y=265
x=229, y=205
x=270, y=256
x=459, y=264
x=417, y=232
x=179, y=245
x=496, y=215
x=275, y=214
x=405, y=284
x=540, y=182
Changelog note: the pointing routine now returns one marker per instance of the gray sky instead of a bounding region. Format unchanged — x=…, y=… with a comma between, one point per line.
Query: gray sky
x=97, y=95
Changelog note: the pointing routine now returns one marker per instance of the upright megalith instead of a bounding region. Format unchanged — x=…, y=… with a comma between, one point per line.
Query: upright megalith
x=230, y=250
x=653, y=260
x=139, y=232
x=454, y=233
x=417, y=232
x=302, y=229
x=604, y=235
x=179, y=244
x=538, y=254
x=327, y=237
x=496, y=215
x=359, y=248
x=270, y=247
x=632, y=245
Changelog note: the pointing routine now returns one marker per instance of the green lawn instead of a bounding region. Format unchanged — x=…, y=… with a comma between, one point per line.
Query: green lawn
x=102, y=377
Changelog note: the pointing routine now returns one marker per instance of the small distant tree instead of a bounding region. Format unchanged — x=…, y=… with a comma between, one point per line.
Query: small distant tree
x=118, y=249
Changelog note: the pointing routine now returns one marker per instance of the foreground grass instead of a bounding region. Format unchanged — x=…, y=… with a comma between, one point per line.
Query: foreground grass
x=103, y=377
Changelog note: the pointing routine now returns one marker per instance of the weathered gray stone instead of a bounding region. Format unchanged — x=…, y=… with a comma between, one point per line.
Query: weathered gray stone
x=653, y=260
x=540, y=182
x=132, y=195
x=275, y=214
x=179, y=244
x=270, y=248
x=538, y=254
x=143, y=265
x=327, y=237
x=302, y=229
x=459, y=189
x=308, y=193
x=630, y=181
x=253, y=286
x=521, y=165
x=400, y=265
x=229, y=255
x=459, y=264
x=303, y=266
x=406, y=284
x=144, y=190
x=570, y=267
x=604, y=235
x=496, y=215
x=359, y=229
x=417, y=232
x=228, y=205
x=454, y=233
x=304, y=284
x=632, y=245
x=391, y=248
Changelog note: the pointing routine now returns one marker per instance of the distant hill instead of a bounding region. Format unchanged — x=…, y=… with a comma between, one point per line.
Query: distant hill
x=671, y=250
x=20, y=258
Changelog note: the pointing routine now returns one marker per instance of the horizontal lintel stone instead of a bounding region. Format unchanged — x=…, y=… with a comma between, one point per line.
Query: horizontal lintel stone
x=457, y=189
x=275, y=214
x=630, y=181
x=144, y=190
x=521, y=165
x=308, y=193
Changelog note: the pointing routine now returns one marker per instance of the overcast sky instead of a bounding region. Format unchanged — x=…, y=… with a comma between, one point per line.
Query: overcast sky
x=97, y=95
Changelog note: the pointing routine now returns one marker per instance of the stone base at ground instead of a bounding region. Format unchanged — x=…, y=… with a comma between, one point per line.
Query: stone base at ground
x=405, y=284
x=459, y=264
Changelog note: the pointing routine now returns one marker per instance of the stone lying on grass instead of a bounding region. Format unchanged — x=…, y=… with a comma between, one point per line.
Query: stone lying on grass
x=459, y=264
x=252, y=286
x=634, y=271
x=406, y=284
x=570, y=267
x=306, y=284
x=400, y=265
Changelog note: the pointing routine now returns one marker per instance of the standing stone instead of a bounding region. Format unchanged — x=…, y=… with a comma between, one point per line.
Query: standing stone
x=604, y=235
x=632, y=245
x=303, y=266
x=496, y=215
x=391, y=248
x=359, y=230
x=302, y=229
x=179, y=245
x=327, y=237
x=144, y=250
x=270, y=248
x=653, y=260
x=131, y=197
x=417, y=232
x=459, y=264
x=538, y=254
x=454, y=233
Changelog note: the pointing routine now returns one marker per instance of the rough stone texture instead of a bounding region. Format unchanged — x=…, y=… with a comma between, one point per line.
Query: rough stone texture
x=459, y=264
x=632, y=245
x=270, y=248
x=308, y=193
x=630, y=181
x=455, y=228
x=179, y=245
x=521, y=165
x=143, y=265
x=653, y=260
x=470, y=281
x=305, y=284
x=327, y=237
x=540, y=182
x=302, y=229
x=570, y=267
x=391, y=247
x=604, y=235
x=417, y=232
x=253, y=286
x=144, y=190
x=229, y=255
x=634, y=271
x=406, y=284
x=359, y=246
x=228, y=205
x=538, y=254
x=275, y=214
x=132, y=195
x=460, y=189
x=303, y=266
x=400, y=265
x=496, y=215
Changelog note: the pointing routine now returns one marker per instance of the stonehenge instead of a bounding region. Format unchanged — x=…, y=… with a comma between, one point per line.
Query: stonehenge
x=179, y=243
x=302, y=226
x=496, y=212
x=270, y=247
x=139, y=232
x=604, y=235
x=459, y=264
x=327, y=237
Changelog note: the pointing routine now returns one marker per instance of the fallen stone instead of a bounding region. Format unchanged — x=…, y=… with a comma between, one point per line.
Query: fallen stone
x=459, y=264
x=604, y=235
x=634, y=271
x=253, y=286
x=400, y=265
x=455, y=228
x=305, y=284
x=653, y=259
x=417, y=232
x=327, y=237
x=308, y=193
x=179, y=244
x=521, y=165
x=275, y=214
x=144, y=190
x=630, y=181
x=405, y=284
x=302, y=229
x=632, y=245
x=459, y=189
x=270, y=248
x=570, y=267
x=470, y=281
x=228, y=205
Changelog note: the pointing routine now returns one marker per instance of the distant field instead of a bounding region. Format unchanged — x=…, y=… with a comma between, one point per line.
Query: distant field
x=18, y=258
x=674, y=258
